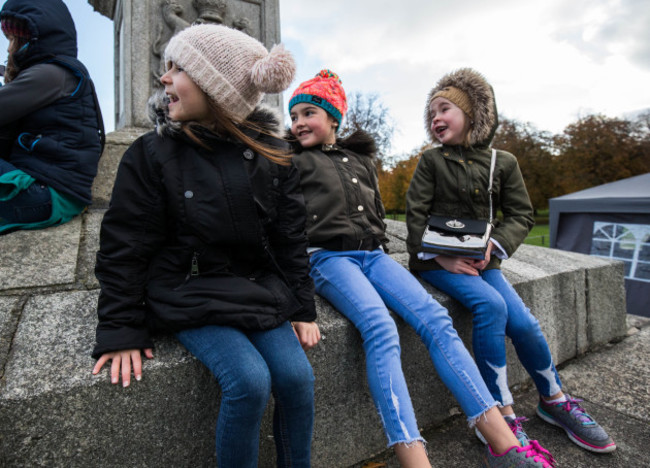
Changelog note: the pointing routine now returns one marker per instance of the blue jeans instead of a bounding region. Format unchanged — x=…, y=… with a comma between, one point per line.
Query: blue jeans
x=498, y=311
x=32, y=205
x=249, y=366
x=361, y=285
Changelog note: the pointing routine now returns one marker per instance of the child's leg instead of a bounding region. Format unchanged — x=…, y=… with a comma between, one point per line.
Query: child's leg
x=339, y=279
x=31, y=205
x=293, y=391
x=527, y=337
x=245, y=384
x=489, y=313
x=404, y=294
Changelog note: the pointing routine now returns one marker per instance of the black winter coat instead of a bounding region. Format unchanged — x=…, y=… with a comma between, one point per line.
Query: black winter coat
x=195, y=237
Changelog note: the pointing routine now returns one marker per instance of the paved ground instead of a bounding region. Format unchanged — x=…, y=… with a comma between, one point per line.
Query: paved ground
x=614, y=383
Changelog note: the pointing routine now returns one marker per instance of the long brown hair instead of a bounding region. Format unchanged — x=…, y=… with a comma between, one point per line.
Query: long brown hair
x=224, y=125
x=15, y=44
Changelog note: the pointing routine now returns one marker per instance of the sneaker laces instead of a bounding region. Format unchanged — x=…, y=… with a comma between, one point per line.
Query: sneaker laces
x=517, y=429
x=515, y=424
x=572, y=406
x=539, y=454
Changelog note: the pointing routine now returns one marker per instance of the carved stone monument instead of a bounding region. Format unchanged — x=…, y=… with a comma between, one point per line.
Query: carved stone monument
x=143, y=28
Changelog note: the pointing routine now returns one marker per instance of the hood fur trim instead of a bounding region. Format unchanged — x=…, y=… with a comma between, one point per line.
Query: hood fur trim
x=481, y=96
x=264, y=117
x=359, y=141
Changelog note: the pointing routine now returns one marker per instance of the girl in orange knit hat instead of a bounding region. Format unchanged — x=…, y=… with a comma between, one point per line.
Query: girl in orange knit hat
x=351, y=269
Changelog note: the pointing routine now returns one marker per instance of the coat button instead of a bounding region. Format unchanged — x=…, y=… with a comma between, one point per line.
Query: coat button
x=315, y=217
x=189, y=194
x=354, y=180
x=248, y=154
x=344, y=159
x=360, y=207
x=276, y=181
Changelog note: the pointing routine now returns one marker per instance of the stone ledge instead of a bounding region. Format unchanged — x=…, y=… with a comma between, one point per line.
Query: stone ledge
x=53, y=412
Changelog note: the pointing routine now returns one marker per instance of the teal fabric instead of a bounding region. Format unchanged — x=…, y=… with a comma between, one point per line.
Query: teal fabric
x=64, y=207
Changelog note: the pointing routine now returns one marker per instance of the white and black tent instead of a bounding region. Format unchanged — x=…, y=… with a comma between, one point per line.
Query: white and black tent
x=611, y=221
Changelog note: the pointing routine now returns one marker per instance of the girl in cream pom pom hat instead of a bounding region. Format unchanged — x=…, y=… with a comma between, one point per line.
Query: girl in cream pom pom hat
x=205, y=238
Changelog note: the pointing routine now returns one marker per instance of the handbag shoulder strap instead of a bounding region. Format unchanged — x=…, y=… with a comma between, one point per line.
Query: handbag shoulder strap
x=493, y=162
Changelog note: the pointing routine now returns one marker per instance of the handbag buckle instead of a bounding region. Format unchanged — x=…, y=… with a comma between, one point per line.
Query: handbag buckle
x=454, y=224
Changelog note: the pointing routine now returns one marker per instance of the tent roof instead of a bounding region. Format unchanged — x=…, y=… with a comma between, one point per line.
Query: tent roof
x=630, y=195
x=625, y=196
x=632, y=187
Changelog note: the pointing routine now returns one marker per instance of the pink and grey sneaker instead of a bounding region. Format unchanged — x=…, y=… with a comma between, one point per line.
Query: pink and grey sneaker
x=531, y=456
x=581, y=428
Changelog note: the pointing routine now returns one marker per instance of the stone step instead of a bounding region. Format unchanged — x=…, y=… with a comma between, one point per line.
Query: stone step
x=53, y=412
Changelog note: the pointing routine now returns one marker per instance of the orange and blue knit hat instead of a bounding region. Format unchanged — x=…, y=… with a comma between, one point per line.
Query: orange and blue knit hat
x=325, y=91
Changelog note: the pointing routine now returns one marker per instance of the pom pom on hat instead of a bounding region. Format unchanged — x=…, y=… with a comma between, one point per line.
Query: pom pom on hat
x=324, y=90
x=275, y=72
x=232, y=68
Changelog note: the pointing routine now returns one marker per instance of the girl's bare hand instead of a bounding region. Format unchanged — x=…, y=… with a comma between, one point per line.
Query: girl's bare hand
x=458, y=265
x=481, y=264
x=308, y=334
x=121, y=364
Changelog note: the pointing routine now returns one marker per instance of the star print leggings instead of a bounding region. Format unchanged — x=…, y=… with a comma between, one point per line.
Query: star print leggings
x=498, y=311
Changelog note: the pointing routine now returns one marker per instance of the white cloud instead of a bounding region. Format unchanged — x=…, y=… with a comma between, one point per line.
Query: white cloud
x=549, y=62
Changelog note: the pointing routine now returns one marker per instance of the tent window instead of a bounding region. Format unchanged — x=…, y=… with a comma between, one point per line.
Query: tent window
x=629, y=243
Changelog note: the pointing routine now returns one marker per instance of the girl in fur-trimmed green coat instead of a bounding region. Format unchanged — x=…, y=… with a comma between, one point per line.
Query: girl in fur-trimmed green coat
x=452, y=180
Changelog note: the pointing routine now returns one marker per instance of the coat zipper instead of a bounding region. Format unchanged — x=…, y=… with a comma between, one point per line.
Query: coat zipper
x=194, y=269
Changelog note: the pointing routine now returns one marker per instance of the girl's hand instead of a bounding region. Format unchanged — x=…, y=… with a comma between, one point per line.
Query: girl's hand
x=458, y=265
x=121, y=360
x=307, y=332
x=481, y=264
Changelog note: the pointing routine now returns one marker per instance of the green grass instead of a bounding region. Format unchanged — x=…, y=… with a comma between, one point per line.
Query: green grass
x=538, y=236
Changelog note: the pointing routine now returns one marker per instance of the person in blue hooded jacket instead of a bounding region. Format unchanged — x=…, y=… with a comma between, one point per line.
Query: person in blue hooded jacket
x=51, y=128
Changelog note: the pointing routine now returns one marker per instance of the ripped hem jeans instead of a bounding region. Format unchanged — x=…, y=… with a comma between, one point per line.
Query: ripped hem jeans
x=363, y=285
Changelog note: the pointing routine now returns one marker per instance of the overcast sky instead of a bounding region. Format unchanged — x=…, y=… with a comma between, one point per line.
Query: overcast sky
x=549, y=62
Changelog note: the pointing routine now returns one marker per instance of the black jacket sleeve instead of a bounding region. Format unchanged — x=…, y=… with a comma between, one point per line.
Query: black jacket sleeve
x=132, y=230
x=289, y=242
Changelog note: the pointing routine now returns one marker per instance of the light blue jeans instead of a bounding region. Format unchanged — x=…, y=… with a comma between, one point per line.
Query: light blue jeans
x=249, y=367
x=498, y=311
x=361, y=285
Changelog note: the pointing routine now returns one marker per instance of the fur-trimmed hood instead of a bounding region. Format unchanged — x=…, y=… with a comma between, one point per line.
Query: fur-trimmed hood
x=481, y=96
x=263, y=117
x=359, y=141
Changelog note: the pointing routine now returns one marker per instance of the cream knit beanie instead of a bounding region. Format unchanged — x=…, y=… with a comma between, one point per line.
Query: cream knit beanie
x=232, y=68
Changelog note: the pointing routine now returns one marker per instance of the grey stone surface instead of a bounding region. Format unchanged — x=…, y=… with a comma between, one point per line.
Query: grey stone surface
x=116, y=144
x=53, y=412
x=9, y=316
x=40, y=258
x=89, y=245
x=105, y=7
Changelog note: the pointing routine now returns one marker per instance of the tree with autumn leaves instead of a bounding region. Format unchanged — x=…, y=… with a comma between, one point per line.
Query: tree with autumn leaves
x=591, y=151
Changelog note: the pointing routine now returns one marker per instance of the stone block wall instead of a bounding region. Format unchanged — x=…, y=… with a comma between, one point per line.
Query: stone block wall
x=53, y=412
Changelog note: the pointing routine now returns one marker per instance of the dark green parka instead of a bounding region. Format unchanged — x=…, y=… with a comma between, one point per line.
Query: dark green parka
x=453, y=180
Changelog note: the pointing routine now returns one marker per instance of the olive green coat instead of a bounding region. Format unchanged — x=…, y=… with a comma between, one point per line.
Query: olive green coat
x=453, y=181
